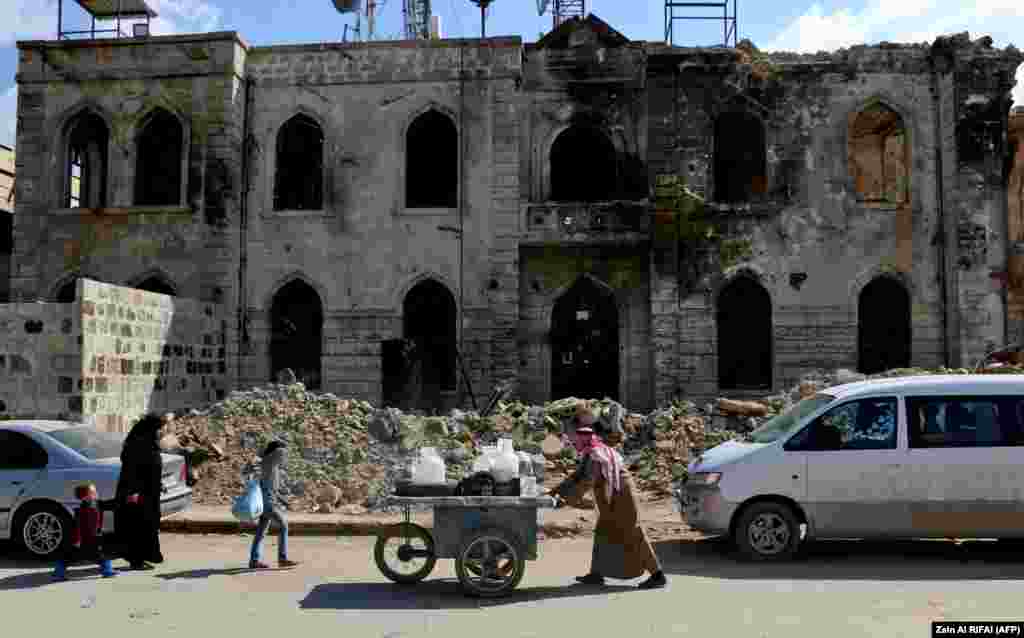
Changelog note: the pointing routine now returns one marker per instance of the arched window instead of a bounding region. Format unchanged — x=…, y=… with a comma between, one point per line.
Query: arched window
x=432, y=162
x=158, y=168
x=299, y=177
x=744, y=318
x=157, y=285
x=430, y=328
x=883, y=326
x=879, y=155
x=296, y=325
x=583, y=167
x=85, y=174
x=66, y=293
x=740, y=157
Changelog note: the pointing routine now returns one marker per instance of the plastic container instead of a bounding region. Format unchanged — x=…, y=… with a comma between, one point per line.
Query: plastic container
x=485, y=462
x=525, y=464
x=528, y=486
x=506, y=463
x=430, y=468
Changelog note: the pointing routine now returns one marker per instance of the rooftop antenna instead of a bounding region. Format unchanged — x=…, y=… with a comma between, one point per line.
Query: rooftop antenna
x=356, y=7
x=416, y=19
x=115, y=10
x=729, y=21
x=483, y=4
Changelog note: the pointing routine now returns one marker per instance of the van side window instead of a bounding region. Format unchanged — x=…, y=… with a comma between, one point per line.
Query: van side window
x=865, y=424
x=964, y=421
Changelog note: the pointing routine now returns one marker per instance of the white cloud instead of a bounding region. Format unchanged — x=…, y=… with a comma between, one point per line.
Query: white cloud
x=905, y=21
x=37, y=20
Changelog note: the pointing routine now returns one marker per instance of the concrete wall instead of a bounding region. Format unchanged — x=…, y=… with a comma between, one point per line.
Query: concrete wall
x=113, y=354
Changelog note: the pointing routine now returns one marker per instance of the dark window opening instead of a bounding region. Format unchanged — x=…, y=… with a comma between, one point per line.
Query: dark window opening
x=432, y=162
x=299, y=180
x=883, y=326
x=740, y=162
x=979, y=421
x=430, y=330
x=583, y=166
x=66, y=293
x=744, y=320
x=865, y=424
x=585, y=343
x=296, y=324
x=85, y=177
x=879, y=155
x=158, y=169
x=157, y=285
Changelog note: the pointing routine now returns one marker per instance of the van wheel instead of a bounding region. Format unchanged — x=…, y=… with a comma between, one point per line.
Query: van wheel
x=768, y=532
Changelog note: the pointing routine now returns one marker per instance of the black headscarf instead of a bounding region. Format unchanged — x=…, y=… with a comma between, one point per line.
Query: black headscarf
x=273, y=445
x=143, y=438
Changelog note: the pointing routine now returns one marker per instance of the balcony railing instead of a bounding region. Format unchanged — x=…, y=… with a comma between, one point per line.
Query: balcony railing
x=588, y=221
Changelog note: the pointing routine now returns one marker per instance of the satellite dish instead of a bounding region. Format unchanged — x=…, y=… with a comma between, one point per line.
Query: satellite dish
x=347, y=6
x=542, y=6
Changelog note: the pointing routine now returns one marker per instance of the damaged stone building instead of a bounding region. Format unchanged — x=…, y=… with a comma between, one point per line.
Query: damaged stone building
x=347, y=204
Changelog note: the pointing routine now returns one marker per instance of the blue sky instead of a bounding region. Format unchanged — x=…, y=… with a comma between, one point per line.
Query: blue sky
x=794, y=25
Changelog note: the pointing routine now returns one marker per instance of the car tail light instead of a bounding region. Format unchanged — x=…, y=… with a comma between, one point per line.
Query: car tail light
x=183, y=475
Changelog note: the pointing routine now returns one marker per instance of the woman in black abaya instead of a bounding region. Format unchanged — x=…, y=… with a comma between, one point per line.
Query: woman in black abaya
x=137, y=518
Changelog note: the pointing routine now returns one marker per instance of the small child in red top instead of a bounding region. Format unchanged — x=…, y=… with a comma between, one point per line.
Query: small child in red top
x=86, y=535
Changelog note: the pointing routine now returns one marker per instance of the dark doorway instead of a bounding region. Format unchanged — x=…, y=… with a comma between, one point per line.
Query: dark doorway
x=583, y=166
x=585, y=343
x=429, y=325
x=740, y=162
x=432, y=162
x=744, y=319
x=159, y=163
x=296, y=321
x=883, y=326
x=157, y=285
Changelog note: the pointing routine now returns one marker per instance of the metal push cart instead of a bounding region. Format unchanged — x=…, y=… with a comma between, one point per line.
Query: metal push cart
x=490, y=538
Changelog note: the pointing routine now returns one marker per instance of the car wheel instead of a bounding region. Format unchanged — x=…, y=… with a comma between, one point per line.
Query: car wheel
x=43, y=530
x=768, y=532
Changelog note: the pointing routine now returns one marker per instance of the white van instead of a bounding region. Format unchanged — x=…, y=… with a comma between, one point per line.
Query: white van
x=908, y=457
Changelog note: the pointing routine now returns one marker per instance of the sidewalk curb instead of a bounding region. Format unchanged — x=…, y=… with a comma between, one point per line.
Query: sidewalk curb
x=185, y=525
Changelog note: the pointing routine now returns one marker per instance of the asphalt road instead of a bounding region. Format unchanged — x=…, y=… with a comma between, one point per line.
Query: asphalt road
x=835, y=589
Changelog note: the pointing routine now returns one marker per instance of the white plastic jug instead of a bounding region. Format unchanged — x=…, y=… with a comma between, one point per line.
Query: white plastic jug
x=506, y=463
x=485, y=462
x=430, y=469
x=525, y=464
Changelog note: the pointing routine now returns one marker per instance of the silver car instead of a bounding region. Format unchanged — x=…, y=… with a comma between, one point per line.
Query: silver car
x=41, y=463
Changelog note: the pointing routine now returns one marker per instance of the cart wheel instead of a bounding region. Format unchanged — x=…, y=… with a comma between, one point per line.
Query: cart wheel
x=490, y=564
x=405, y=554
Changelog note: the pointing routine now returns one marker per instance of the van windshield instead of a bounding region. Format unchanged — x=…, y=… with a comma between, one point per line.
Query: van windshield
x=777, y=426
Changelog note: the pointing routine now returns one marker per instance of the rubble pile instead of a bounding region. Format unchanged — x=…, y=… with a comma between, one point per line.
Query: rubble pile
x=346, y=456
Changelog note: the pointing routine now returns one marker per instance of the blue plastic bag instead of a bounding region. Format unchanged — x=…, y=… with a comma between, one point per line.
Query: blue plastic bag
x=249, y=506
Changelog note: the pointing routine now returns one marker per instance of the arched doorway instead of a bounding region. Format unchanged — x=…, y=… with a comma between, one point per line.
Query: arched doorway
x=744, y=320
x=429, y=327
x=883, y=326
x=585, y=343
x=583, y=166
x=296, y=324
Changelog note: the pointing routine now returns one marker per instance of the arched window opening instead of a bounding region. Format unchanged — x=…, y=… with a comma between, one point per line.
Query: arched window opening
x=85, y=174
x=158, y=172
x=879, y=155
x=585, y=343
x=740, y=160
x=744, y=319
x=432, y=162
x=157, y=285
x=430, y=330
x=296, y=328
x=583, y=166
x=299, y=180
x=883, y=326
x=67, y=292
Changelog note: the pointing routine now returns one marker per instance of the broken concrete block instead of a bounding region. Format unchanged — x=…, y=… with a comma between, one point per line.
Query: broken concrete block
x=742, y=408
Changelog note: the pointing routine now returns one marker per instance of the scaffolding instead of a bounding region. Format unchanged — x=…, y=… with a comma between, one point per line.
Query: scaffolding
x=115, y=10
x=416, y=18
x=563, y=10
x=729, y=21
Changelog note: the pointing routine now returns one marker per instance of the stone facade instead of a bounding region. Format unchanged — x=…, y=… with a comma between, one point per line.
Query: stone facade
x=838, y=172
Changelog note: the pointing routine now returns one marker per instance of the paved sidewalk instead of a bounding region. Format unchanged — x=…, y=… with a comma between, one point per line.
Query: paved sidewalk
x=559, y=523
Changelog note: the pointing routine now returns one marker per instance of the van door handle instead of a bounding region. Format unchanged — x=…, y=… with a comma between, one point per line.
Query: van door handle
x=796, y=477
x=17, y=482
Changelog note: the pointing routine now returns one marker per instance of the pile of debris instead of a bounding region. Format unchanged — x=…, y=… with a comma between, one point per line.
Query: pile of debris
x=346, y=456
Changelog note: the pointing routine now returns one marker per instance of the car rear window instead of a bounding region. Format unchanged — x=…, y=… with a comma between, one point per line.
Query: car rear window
x=90, y=443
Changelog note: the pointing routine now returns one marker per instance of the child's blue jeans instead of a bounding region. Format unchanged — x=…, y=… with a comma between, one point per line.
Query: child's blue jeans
x=261, y=530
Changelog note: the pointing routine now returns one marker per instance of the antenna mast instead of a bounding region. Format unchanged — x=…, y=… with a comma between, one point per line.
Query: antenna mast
x=729, y=21
x=416, y=17
x=563, y=10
